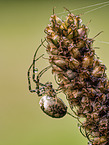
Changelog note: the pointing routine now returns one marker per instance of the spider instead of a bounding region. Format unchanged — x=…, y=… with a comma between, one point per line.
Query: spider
x=49, y=103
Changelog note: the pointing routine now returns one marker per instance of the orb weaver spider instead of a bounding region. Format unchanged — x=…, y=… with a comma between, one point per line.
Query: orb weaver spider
x=49, y=103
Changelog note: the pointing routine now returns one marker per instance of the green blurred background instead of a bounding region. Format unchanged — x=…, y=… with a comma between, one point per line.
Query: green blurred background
x=22, y=24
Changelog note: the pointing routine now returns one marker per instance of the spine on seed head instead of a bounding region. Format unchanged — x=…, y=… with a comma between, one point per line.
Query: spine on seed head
x=82, y=75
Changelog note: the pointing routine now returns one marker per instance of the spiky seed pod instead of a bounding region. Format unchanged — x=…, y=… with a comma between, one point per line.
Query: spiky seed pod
x=82, y=75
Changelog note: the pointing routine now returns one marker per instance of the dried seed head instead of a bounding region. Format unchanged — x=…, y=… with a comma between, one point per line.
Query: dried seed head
x=82, y=75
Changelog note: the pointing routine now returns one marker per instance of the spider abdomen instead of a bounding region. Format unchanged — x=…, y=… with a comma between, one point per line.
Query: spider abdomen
x=53, y=107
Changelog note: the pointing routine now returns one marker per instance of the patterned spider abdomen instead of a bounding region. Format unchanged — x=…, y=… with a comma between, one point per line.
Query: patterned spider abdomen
x=53, y=107
x=82, y=76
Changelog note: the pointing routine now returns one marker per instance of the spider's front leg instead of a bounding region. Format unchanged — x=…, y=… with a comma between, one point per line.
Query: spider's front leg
x=40, y=88
x=29, y=79
x=34, y=70
x=29, y=75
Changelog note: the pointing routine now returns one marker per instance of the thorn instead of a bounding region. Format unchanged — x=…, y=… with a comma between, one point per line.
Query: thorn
x=88, y=22
x=97, y=34
x=53, y=10
x=67, y=10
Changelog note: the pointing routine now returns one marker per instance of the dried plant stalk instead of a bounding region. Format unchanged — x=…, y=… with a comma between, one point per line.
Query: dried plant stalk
x=81, y=75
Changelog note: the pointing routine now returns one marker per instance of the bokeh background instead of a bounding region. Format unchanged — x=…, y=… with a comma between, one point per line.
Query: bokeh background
x=22, y=24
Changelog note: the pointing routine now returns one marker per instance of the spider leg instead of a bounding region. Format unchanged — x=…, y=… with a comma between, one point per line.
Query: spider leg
x=28, y=74
x=29, y=81
x=38, y=90
x=33, y=65
x=43, y=44
x=74, y=117
x=88, y=134
x=34, y=61
x=57, y=81
x=80, y=128
x=38, y=84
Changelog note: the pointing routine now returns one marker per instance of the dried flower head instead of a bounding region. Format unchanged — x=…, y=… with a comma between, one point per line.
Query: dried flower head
x=82, y=75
